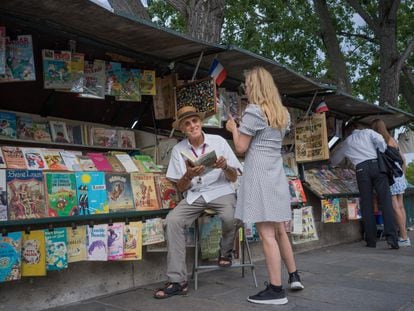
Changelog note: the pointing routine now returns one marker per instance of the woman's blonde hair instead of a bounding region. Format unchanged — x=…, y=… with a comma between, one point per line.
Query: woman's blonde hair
x=379, y=126
x=263, y=92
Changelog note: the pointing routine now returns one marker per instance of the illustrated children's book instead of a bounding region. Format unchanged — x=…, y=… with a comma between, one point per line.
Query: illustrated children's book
x=133, y=241
x=97, y=242
x=34, y=253
x=167, y=191
x=10, y=255
x=54, y=160
x=76, y=242
x=19, y=60
x=70, y=160
x=145, y=195
x=100, y=161
x=3, y=196
x=94, y=86
x=24, y=127
x=59, y=132
x=7, y=124
x=118, y=187
x=2, y=50
x=34, y=158
x=56, y=249
x=91, y=190
x=86, y=163
x=104, y=137
x=57, y=69
x=126, y=139
x=61, y=193
x=331, y=211
x=152, y=231
x=116, y=241
x=41, y=131
x=2, y=160
x=25, y=194
x=130, y=85
x=113, y=74
x=147, y=82
x=14, y=157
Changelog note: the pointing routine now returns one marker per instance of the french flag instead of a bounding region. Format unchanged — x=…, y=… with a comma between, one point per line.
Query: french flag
x=217, y=72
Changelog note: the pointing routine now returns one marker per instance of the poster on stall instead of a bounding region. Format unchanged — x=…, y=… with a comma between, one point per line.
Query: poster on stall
x=311, y=139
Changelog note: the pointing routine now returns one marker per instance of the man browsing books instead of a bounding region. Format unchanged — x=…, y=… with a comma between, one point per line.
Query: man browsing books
x=203, y=188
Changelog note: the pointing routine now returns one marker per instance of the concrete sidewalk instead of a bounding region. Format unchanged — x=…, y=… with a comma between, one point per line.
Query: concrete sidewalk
x=345, y=277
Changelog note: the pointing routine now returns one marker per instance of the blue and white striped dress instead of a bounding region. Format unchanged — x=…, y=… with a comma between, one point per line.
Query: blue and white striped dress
x=264, y=191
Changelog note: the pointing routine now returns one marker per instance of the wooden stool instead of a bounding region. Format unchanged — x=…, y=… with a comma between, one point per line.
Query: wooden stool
x=244, y=246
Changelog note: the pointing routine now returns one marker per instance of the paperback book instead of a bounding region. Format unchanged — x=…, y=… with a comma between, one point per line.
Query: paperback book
x=34, y=253
x=97, y=242
x=76, y=240
x=152, y=231
x=113, y=75
x=331, y=212
x=34, y=159
x=104, y=137
x=91, y=191
x=24, y=127
x=10, y=255
x=147, y=82
x=116, y=241
x=115, y=163
x=126, y=139
x=94, y=86
x=146, y=164
x=70, y=160
x=14, y=157
x=167, y=192
x=309, y=232
x=54, y=159
x=56, y=250
x=133, y=241
x=7, y=125
x=207, y=159
x=354, y=211
x=57, y=69
x=25, y=194
x=100, y=161
x=145, y=195
x=41, y=131
x=118, y=186
x=127, y=162
x=59, y=132
x=86, y=163
x=130, y=85
x=61, y=193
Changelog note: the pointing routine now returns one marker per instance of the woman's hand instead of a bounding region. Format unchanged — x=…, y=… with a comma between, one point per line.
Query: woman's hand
x=231, y=124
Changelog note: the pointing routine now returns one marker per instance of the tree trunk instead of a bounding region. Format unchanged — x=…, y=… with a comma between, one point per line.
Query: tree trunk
x=336, y=60
x=129, y=7
x=407, y=87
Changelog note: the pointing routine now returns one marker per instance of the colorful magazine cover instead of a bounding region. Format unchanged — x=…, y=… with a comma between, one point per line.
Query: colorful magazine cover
x=299, y=193
x=34, y=253
x=145, y=195
x=24, y=127
x=10, y=255
x=7, y=124
x=14, y=157
x=2, y=50
x=116, y=241
x=76, y=238
x=331, y=212
x=309, y=232
x=167, y=191
x=152, y=231
x=147, y=82
x=54, y=160
x=61, y=193
x=97, y=242
x=56, y=249
x=113, y=74
x=19, y=60
x=133, y=241
x=34, y=159
x=57, y=69
x=3, y=196
x=130, y=87
x=25, y=194
x=126, y=139
x=91, y=190
x=77, y=66
x=118, y=187
x=94, y=86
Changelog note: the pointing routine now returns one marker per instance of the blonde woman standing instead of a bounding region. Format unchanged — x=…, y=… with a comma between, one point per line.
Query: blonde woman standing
x=398, y=188
x=263, y=196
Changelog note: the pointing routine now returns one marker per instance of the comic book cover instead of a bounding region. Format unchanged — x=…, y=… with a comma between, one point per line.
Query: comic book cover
x=56, y=249
x=76, y=240
x=34, y=253
x=2, y=50
x=145, y=195
x=14, y=157
x=130, y=86
x=126, y=139
x=7, y=124
x=104, y=137
x=61, y=194
x=97, y=242
x=25, y=194
x=152, y=231
x=54, y=160
x=34, y=158
x=94, y=86
x=24, y=127
x=147, y=82
x=59, y=132
x=354, y=211
x=2, y=160
x=309, y=232
x=118, y=187
x=91, y=190
x=10, y=254
x=3, y=196
x=113, y=74
x=100, y=161
x=41, y=131
x=167, y=191
x=299, y=192
x=19, y=60
x=70, y=160
x=133, y=241
x=57, y=69
x=116, y=241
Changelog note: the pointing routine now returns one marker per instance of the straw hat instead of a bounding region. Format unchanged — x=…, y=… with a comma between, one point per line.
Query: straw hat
x=185, y=112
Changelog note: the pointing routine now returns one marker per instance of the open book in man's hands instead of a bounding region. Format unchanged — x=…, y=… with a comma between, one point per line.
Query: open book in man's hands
x=208, y=159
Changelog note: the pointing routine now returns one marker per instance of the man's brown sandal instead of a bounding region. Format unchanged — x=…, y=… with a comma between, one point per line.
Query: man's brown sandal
x=171, y=289
x=224, y=262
